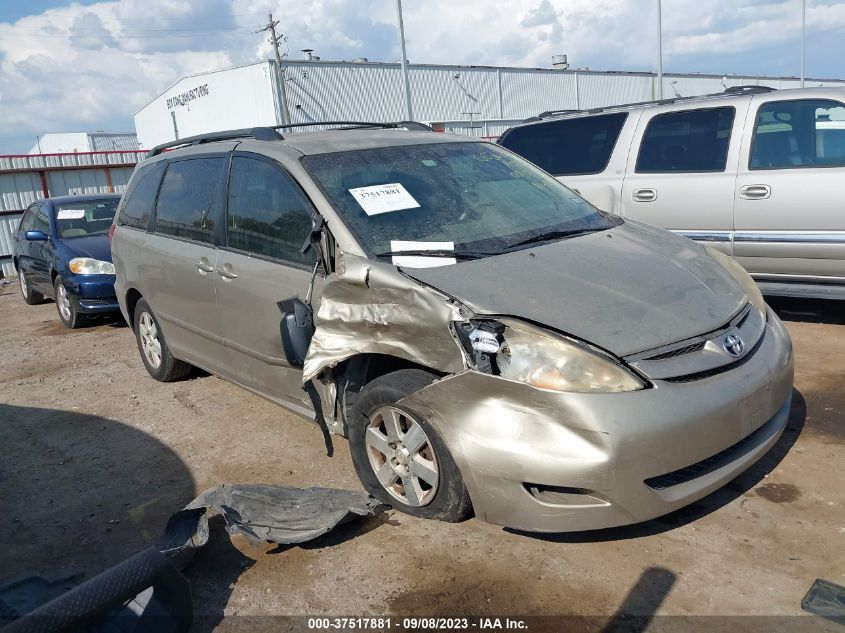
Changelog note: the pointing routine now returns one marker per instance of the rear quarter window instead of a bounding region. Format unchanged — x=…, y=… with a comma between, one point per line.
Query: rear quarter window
x=570, y=146
x=140, y=197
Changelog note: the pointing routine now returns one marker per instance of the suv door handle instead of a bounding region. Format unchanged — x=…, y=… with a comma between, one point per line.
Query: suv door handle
x=204, y=266
x=755, y=192
x=226, y=271
x=645, y=195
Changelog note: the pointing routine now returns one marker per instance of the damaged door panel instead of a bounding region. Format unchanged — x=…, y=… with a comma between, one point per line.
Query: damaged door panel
x=369, y=307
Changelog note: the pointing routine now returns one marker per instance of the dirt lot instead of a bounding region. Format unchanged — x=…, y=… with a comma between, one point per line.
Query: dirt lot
x=96, y=456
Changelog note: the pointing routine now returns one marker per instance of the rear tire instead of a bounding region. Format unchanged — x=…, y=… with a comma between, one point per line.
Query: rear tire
x=155, y=354
x=69, y=315
x=30, y=296
x=399, y=456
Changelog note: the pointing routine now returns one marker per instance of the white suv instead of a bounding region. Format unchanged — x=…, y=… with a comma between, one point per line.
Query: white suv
x=755, y=172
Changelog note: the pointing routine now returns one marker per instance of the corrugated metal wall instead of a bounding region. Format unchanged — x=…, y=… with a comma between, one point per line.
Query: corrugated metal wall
x=113, y=142
x=64, y=174
x=323, y=91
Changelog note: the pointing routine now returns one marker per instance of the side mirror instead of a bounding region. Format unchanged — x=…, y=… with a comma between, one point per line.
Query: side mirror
x=314, y=236
x=297, y=328
x=36, y=236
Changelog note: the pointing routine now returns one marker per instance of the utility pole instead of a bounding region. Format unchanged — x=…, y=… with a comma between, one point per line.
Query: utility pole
x=659, y=51
x=803, y=37
x=404, y=61
x=274, y=40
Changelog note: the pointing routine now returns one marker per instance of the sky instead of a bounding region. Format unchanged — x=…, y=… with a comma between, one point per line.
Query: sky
x=87, y=66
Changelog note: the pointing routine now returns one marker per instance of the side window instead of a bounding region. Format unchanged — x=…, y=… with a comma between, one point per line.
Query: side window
x=570, y=146
x=267, y=213
x=27, y=219
x=139, y=199
x=188, y=202
x=799, y=133
x=686, y=141
x=39, y=219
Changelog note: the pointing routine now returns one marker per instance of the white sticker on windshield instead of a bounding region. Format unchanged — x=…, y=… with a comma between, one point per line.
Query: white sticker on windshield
x=421, y=261
x=384, y=198
x=70, y=214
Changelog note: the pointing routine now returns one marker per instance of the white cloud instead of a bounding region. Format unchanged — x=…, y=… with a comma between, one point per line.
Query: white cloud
x=90, y=67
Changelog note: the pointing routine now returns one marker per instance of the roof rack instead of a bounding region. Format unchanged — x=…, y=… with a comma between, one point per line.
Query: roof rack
x=270, y=133
x=733, y=90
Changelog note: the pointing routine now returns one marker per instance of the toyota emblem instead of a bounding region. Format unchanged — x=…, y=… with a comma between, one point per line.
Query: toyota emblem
x=734, y=345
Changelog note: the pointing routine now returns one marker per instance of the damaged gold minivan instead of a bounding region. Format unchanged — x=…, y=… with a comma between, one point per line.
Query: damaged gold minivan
x=487, y=340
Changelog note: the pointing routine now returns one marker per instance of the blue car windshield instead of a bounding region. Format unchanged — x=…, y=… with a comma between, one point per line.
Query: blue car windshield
x=470, y=197
x=84, y=218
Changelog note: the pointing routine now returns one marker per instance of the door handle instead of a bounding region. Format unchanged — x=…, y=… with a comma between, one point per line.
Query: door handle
x=755, y=192
x=226, y=271
x=204, y=266
x=645, y=195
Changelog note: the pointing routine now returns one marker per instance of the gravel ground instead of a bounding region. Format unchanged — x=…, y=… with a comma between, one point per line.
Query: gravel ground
x=97, y=455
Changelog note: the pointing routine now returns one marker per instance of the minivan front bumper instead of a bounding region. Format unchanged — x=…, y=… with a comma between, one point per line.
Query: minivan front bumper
x=555, y=462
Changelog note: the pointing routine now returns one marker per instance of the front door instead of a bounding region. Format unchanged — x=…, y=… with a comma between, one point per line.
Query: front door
x=790, y=191
x=261, y=263
x=180, y=263
x=681, y=173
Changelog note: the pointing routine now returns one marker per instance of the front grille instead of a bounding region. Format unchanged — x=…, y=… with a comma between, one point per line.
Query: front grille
x=701, y=375
x=706, y=466
x=687, y=349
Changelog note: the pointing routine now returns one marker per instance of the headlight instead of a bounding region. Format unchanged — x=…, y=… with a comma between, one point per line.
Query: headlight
x=748, y=285
x=90, y=266
x=531, y=355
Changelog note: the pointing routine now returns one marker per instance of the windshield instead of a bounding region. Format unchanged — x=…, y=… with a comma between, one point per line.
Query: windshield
x=84, y=218
x=474, y=198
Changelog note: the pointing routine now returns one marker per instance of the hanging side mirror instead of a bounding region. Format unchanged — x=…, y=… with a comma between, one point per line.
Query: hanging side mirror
x=297, y=328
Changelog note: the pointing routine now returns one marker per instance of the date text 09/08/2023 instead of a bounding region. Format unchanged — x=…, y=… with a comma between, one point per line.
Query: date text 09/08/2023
x=413, y=624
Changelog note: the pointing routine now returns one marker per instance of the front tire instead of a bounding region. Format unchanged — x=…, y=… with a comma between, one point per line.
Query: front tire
x=69, y=315
x=30, y=296
x=155, y=353
x=400, y=458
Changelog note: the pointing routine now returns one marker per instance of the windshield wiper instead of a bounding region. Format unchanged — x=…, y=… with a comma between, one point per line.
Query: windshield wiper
x=437, y=253
x=551, y=235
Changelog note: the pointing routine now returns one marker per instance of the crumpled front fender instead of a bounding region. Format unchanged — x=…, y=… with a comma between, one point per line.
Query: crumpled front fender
x=369, y=307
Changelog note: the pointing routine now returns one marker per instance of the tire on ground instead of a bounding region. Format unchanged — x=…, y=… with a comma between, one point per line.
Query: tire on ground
x=169, y=368
x=451, y=501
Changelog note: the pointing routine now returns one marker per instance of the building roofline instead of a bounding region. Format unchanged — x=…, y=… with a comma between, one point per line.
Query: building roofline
x=570, y=71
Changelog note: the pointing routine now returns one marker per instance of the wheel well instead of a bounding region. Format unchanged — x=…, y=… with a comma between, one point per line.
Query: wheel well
x=132, y=298
x=53, y=274
x=354, y=374
x=15, y=264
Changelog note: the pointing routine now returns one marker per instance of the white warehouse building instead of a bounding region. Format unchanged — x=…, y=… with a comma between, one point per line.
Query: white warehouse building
x=478, y=100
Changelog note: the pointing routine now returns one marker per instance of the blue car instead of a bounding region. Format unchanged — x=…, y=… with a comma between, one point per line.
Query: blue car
x=62, y=251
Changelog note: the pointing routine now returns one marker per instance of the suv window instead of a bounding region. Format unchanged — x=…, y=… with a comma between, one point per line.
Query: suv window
x=140, y=198
x=799, y=133
x=686, y=141
x=569, y=146
x=188, y=202
x=267, y=213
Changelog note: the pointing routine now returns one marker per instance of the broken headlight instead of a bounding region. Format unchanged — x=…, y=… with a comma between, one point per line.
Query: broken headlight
x=521, y=352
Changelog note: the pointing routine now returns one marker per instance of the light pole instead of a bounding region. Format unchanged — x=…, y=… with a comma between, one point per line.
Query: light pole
x=408, y=109
x=803, y=37
x=659, y=51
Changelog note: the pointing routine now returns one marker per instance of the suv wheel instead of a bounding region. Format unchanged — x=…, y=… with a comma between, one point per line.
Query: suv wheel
x=399, y=456
x=157, y=357
x=29, y=295
x=69, y=316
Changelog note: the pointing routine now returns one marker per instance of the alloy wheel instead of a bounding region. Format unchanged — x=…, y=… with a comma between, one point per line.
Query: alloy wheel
x=63, y=302
x=24, y=287
x=402, y=456
x=150, y=343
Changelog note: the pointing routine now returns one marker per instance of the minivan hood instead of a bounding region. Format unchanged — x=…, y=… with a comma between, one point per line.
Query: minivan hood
x=628, y=289
x=96, y=246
